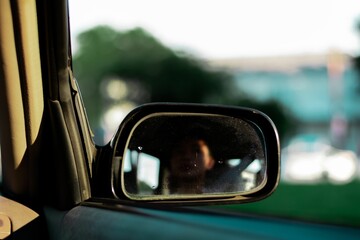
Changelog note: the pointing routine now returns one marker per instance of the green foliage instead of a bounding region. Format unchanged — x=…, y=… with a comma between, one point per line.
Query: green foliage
x=140, y=59
x=327, y=203
x=283, y=120
x=154, y=73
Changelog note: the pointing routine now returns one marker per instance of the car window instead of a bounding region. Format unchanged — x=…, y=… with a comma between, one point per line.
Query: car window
x=296, y=61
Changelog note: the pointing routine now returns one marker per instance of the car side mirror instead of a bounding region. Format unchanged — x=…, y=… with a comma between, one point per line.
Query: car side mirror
x=195, y=154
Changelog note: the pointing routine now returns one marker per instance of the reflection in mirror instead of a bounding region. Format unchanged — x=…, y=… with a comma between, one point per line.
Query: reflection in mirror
x=187, y=154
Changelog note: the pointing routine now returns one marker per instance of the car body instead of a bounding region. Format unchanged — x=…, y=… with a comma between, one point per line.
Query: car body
x=55, y=182
x=324, y=162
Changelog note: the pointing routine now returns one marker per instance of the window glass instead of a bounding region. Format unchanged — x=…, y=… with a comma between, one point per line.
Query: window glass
x=297, y=61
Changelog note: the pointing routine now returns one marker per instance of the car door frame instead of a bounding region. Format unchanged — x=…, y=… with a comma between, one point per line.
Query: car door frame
x=47, y=146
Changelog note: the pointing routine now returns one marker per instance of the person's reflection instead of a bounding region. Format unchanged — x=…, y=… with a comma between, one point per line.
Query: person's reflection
x=189, y=162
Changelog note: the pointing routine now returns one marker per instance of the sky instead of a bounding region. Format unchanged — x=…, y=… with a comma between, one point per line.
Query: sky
x=218, y=29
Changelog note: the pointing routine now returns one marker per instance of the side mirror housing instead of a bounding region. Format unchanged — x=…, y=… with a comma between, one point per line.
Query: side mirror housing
x=192, y=154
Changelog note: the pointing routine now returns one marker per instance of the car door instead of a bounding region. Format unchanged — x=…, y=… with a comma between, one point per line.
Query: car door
x=48, y=154
x=47, y=145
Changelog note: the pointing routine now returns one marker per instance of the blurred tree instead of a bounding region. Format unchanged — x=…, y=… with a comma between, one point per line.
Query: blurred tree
x=154, y=73
x=143, y=62
x=284, y=121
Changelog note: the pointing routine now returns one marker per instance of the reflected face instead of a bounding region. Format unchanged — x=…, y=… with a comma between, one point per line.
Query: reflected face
x=191, y=158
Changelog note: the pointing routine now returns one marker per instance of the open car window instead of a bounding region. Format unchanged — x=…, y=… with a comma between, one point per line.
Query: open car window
x=298, y=62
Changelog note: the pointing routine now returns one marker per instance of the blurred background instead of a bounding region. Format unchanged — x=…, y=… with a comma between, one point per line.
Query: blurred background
x=296, y=61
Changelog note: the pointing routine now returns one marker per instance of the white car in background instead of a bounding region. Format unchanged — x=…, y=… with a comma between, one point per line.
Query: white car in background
x=308, y=159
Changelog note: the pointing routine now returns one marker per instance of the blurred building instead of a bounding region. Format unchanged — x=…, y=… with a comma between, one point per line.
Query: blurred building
x=321, y=91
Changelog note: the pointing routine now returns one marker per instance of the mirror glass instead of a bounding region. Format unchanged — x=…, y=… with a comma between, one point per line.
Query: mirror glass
x=183, y=155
